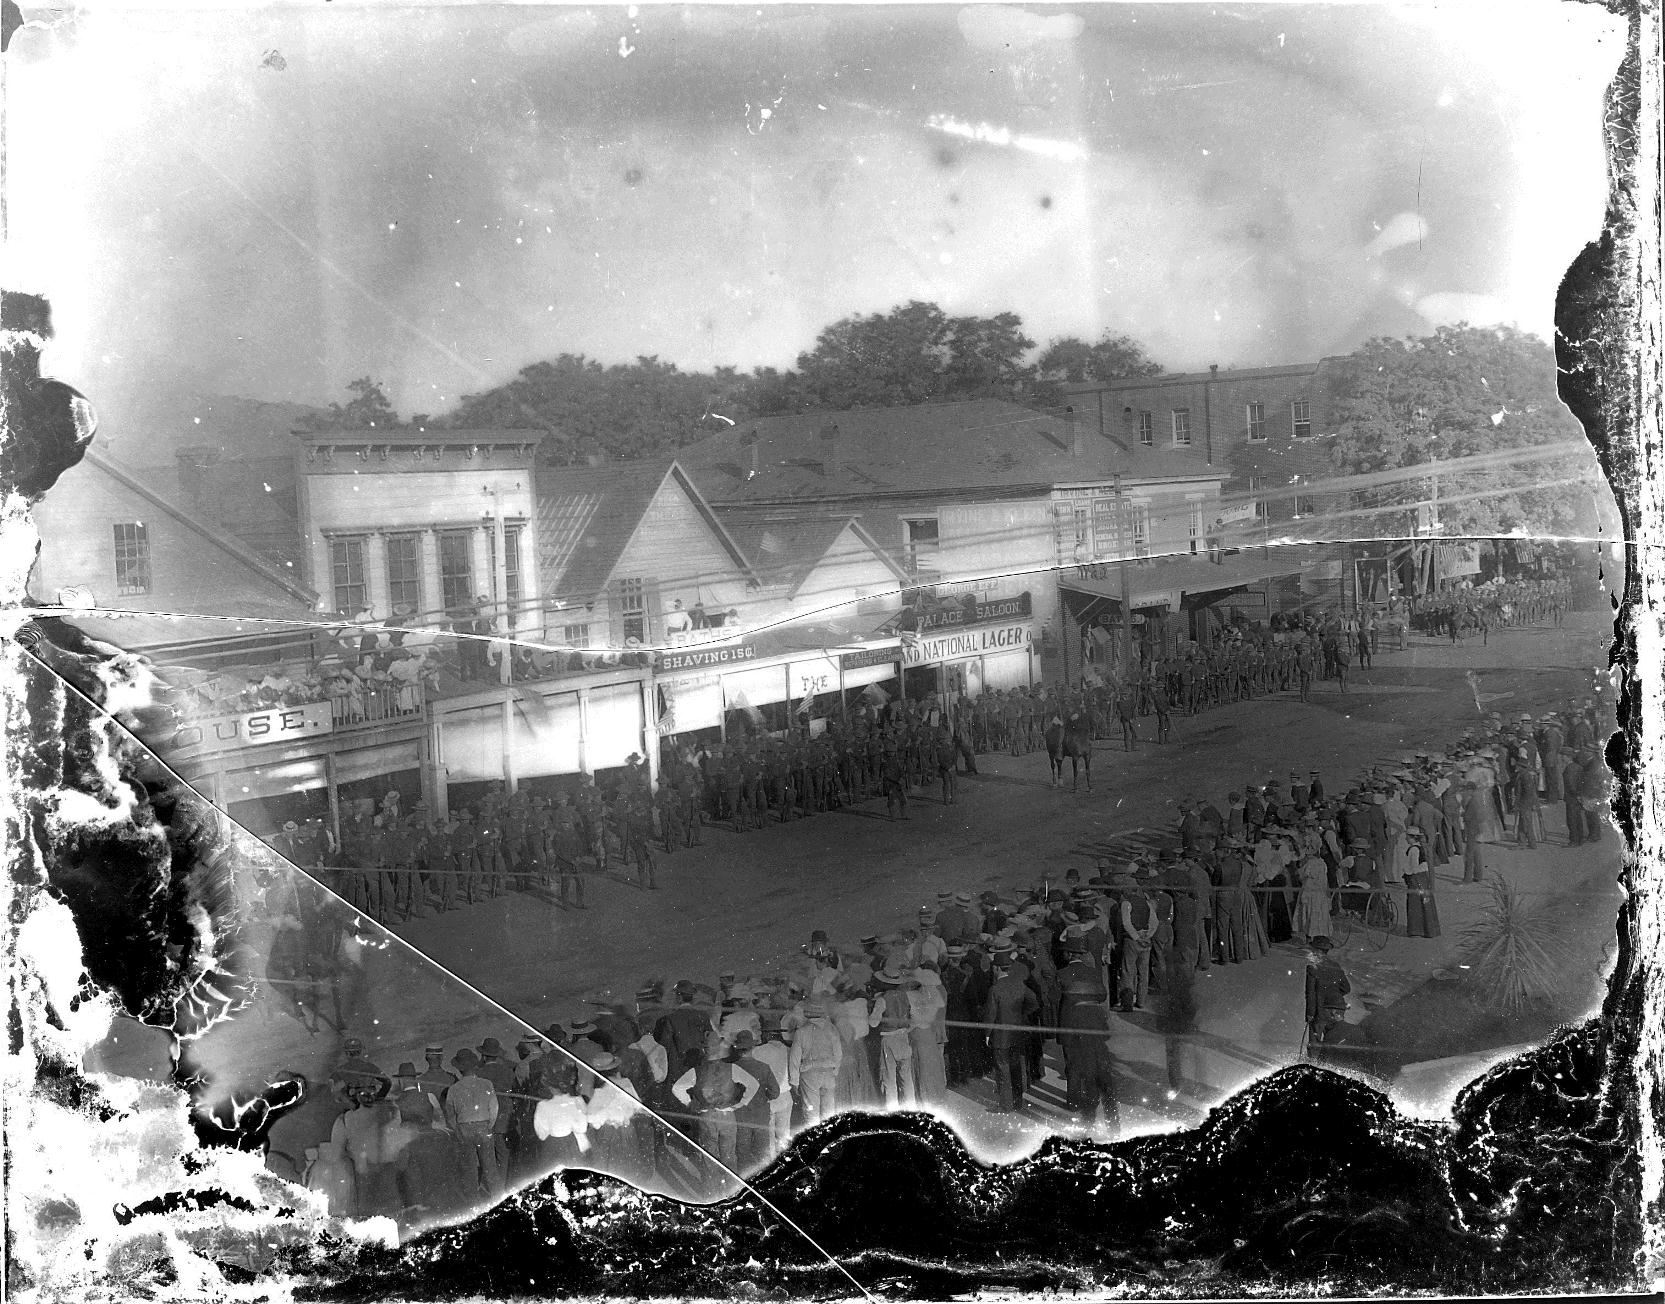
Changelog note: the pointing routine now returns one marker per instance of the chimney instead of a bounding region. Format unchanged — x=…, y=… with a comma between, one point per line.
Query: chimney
x=1078, y=441
x=829, y=450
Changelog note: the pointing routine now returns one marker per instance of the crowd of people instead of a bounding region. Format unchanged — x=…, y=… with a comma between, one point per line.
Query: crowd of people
x=971, y=990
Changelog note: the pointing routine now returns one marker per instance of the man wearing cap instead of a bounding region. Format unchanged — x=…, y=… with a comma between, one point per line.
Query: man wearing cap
x=1010, y=1009
x=752, y=1119
x=1326, y=997
x=471, y=1108
x=816, y=1055
x=1084, y=1033
x=1139, y=923
x=775, y=1055
x=954, y=920
x=357, y=1072
x=682, y=1031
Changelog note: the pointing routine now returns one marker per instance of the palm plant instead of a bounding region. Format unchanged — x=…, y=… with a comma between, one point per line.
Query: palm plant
x=1517, y=955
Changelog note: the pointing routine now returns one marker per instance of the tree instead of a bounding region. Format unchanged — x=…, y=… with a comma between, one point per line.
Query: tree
x=1112, y=357
x=368, y=409
x=985, y=356
x=1469, y=417
x=889, y=360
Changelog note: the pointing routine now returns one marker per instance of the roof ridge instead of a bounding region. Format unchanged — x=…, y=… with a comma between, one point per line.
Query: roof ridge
x=213, y=533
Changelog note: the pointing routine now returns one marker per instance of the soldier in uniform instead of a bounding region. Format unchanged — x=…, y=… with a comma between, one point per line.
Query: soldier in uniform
x=465, y=859
x=592, y=815
x=566, y=837
x=895, y=779
x=945, y=756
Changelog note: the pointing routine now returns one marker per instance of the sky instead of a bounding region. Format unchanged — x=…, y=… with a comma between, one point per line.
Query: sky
x=271, y=201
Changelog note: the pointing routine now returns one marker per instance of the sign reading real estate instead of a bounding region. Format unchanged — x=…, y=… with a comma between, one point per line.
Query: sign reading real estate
x=967, y=643
x=278, y=724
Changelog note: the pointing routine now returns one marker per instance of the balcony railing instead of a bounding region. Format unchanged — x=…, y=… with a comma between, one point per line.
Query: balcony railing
x=374, y=704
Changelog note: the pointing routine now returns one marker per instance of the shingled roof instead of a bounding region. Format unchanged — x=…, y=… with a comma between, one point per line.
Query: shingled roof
x=588, y=515
x=787, y=551
x=932, y=448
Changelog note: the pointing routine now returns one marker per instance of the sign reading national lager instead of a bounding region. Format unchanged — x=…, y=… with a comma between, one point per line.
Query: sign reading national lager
x=697, y=658
x=982, y=612
x=967, y=643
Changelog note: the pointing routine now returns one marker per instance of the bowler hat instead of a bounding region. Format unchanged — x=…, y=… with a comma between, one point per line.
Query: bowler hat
x=1322, y=945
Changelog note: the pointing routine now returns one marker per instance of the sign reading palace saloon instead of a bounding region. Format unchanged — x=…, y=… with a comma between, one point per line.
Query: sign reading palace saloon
x=968, y=643
x=982, y=612
x=279, y=724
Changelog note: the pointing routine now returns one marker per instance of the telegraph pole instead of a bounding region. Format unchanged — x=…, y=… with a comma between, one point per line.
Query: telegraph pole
x=1122, y=539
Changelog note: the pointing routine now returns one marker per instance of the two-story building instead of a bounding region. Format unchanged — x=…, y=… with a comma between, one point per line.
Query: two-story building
x=1269, y=430
x=983, y=499
x=133, y=546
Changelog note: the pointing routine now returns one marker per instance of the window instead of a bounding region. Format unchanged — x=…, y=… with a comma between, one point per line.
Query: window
x=1083, y=534
x=1257, y=483
x=132, y=559
x=456, y=568
x=511, y=569
x=1304, y=505
x=1194, y=529
x=1138, y=516
x=921, y=541
x=1182, y=427
x=1301, y=418
x=575, y=635
x=404, y=571
x=1257, y=421
x=633, y=609
x=1147, y=429
x=347, y=575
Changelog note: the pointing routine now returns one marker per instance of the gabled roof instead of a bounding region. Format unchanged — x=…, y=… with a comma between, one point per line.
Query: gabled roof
x=211, y=533
x=587, y=517
x=786, y=551
x=930, y=448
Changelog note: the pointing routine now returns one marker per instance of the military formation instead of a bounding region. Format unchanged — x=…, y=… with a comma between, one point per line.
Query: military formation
x=1460, y=613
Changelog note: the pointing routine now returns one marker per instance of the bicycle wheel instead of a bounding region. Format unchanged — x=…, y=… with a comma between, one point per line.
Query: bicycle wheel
x=1378, y=920
x=1341, y=925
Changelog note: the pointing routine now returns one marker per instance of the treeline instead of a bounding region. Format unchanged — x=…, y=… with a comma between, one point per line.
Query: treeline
x=915, y=353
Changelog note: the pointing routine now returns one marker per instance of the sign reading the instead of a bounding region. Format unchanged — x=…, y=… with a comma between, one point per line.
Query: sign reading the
x=698, y=658
x=278, y=724
x=807, y=678
x=969, y=643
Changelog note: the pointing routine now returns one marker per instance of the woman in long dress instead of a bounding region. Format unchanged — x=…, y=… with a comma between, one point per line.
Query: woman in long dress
x=854, y=1017
x=1489, y=826
x=1312, y=909
x=926, y=1004
x=1421, y=917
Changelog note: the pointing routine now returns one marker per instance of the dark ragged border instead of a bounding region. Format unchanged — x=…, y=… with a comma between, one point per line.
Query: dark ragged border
x=1306, y=1181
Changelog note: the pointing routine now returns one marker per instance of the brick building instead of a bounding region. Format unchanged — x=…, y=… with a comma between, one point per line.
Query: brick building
x=1269, y=431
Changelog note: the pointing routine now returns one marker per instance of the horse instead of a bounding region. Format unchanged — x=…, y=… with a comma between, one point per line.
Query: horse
x=1074, y=740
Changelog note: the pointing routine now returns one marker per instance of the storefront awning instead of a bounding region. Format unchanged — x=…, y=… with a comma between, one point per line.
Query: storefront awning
x=1168, y=581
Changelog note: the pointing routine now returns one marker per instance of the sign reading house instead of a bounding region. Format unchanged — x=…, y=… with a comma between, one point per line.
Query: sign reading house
x=279, y=724
x=967, y=643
